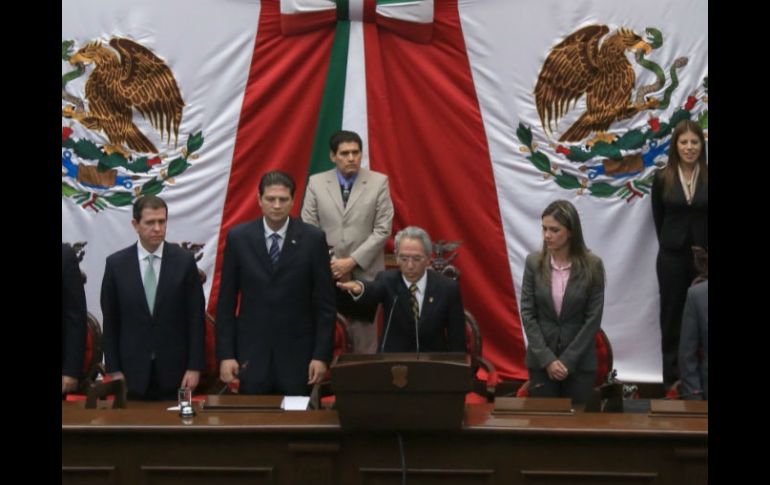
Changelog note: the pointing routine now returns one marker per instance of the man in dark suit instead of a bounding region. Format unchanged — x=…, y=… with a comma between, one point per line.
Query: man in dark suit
x=417, y=301
x=694, y=344
x=153, y=307
x=73, y=320
x=276, y=309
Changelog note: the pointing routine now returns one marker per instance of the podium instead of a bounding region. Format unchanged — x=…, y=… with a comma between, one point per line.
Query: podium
x=394, y=391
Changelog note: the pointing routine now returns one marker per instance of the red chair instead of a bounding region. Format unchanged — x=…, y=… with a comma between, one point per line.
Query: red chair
x=485, y=377
x=322, y=395
x=604, y=363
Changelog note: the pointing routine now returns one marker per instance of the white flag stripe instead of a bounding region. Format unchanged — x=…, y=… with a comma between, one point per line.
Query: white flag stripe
x=354, y=111
x=211, y=65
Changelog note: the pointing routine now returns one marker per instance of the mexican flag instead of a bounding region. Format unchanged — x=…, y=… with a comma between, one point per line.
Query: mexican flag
x=464, y=104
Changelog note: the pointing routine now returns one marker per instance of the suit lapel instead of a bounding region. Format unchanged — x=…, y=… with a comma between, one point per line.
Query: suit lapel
x=166, y=267
x=136, y=270
x=404, y=297
x=333, y=190
x=570, y=293
x=543, y=287
x=291, y=245
x=259, y=245
x=427, y=301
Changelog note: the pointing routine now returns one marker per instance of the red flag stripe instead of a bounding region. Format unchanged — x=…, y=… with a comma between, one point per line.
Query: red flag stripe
x=278, y=118
x=426, y=133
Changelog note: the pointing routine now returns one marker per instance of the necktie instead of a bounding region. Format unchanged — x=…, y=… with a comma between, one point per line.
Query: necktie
x=415, y=304
x=275, y=250
x=150, y=282
x=345, y=194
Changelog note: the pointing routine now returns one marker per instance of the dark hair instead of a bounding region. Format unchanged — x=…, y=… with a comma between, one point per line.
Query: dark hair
x=148, y=202
x=672, y=168
x=276, y=177
x=344, y=136
x=565, y=214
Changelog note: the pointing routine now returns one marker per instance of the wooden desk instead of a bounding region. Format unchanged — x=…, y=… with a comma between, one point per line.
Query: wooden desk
x=147, y=444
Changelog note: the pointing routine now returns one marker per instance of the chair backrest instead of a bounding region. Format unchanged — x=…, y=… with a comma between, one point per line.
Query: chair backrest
x=604, y=358
x=101, y=390
x=472, y=339
x=342, y=341
x=92, y=357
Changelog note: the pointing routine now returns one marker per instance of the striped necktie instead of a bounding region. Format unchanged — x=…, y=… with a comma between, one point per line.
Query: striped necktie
x=415, y=303
x=275, y=249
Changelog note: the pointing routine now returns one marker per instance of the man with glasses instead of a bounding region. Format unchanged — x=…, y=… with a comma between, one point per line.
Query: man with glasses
x=423, y=309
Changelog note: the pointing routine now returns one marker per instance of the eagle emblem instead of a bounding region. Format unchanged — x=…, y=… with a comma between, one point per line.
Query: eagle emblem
x=584, y=64
x=125, y=78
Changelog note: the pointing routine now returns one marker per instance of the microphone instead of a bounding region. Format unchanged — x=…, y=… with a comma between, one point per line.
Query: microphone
x=387, y=327
x=237, y=374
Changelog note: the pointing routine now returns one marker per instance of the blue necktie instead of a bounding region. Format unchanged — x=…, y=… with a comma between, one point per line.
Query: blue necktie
x=275, y=249
x=150, y=282
x=345, y=193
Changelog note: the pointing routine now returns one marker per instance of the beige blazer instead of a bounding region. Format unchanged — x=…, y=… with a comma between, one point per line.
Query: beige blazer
x=359, y=229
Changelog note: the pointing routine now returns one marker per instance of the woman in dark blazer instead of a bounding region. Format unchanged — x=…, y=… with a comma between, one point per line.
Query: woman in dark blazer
x=680, y=210
x=562, y=299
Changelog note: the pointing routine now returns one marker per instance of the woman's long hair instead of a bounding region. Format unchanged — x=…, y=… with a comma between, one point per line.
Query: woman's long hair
x=671, y=171
x=565, y=214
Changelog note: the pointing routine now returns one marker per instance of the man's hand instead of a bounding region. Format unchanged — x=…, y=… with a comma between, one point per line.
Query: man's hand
x=228, y=370
x=316, y=371
x=557, y=371
x=191, y=379
x=354, y=287
x=68, y=384
x=342, y=267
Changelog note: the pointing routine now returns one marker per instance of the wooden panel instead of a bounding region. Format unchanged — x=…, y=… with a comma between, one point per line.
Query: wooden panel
x=206, y=475
x=85, y=475
x=417, y=476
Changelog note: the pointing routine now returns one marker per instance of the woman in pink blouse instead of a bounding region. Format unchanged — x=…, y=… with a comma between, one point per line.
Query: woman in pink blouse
x=562, y=299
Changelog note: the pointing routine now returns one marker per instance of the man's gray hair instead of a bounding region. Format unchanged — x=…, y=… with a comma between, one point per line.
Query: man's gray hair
x=414, y=232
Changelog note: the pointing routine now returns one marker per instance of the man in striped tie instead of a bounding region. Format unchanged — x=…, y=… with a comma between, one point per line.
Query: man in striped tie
x=276, y=311
x=423, y=309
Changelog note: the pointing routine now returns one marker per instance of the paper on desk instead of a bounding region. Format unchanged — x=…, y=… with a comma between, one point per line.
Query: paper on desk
x=173, y=408
x=295, y=403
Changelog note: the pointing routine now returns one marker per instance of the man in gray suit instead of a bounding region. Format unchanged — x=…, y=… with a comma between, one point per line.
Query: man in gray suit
x=694, y=344
x=352, y=206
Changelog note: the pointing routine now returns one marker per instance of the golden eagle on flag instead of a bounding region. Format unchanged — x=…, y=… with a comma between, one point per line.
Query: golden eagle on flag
x=578, y=66
x=137, y=79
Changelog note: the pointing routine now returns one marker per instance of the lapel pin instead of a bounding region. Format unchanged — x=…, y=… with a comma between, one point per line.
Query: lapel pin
x=294, y=241
x=430, y=299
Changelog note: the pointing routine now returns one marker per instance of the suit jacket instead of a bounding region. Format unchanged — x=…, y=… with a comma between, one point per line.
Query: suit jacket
x=174, y=331
x=678, y=224
x=73, y=315
x=287, y=312
x=694, y=366
x=441, y=326
x=359, y=229
x=569, y=336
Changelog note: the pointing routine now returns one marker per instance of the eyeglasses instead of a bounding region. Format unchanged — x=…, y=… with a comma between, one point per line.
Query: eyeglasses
x=414, y=259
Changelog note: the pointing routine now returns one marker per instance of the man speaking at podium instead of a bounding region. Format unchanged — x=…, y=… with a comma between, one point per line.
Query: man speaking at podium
x=423, y=310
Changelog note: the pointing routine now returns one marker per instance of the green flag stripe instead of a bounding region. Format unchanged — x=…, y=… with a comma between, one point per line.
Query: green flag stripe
x=343, y=12
x=330, y=114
